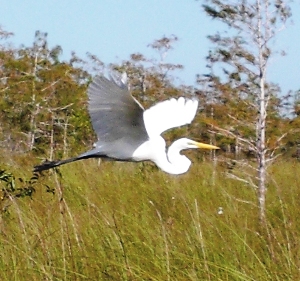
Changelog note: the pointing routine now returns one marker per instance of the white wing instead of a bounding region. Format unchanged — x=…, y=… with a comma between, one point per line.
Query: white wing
x=169, y=114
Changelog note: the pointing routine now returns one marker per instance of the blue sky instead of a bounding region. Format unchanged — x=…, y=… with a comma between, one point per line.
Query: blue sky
x=114, y=29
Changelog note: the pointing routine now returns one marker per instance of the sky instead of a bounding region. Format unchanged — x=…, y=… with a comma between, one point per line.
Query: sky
x=114, y=29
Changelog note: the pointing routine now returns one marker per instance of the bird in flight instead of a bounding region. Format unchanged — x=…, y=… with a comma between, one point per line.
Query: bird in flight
x=127, y=132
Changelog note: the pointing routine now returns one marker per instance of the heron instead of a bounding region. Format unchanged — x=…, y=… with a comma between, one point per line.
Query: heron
x=128, y=132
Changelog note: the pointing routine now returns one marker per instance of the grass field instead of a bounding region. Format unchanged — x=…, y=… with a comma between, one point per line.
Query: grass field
x=130, y=221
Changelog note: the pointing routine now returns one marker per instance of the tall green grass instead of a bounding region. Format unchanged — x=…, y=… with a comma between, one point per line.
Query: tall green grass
x=125, y=221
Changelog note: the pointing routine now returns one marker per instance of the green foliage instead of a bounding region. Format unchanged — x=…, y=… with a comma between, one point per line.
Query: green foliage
x=10, y=189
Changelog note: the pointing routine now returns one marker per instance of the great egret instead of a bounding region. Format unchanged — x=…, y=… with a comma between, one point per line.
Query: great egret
x=127, y=132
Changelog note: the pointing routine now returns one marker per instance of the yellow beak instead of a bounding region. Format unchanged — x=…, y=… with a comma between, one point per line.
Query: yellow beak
x=205, y=146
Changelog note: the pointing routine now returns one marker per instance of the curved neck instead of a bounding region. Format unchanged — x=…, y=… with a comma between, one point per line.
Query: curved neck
x=173, y=162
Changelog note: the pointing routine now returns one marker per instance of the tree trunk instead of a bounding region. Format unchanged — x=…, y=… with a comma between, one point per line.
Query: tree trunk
x=261, y=126
x=262, y=160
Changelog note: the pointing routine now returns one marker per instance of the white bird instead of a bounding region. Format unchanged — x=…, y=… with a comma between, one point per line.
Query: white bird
x=127, y=132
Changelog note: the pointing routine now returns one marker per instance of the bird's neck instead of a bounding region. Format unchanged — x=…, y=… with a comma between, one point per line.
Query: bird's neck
x=173, y=162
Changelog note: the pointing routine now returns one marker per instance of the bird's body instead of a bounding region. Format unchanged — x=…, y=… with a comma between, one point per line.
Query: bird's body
x=127, y=132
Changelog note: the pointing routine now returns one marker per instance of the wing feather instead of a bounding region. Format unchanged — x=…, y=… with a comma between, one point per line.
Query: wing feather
x=169, y=114
x=116, y=118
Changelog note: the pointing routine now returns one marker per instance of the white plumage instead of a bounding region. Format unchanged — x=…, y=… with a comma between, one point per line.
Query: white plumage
x=127, y=132
x=169, y=114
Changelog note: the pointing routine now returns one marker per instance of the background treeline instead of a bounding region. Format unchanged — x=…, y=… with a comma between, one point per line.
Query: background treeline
x=43, y=105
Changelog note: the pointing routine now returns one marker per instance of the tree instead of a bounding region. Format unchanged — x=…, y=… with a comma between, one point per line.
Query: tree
x=243, y=54
x=150, y=79
x=41, y=100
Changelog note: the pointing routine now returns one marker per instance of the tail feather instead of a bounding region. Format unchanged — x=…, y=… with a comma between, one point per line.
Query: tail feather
x=94, y=153
x=52, y=164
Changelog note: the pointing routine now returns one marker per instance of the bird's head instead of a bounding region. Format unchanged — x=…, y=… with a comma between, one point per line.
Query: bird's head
x=180, y=163
x=188, y=143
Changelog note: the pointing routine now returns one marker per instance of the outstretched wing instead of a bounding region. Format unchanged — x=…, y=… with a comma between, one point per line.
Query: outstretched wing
x=169, y=114
x=116, y=118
